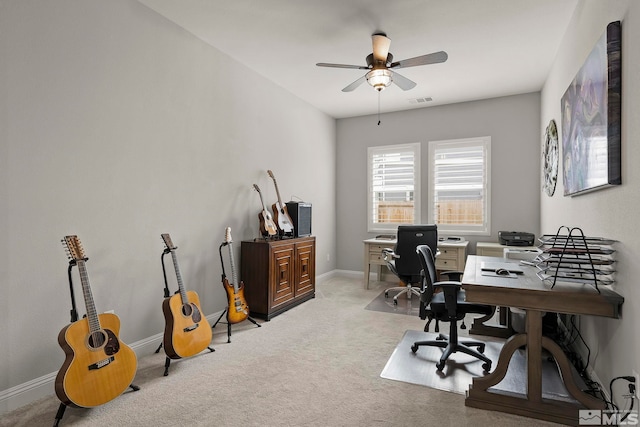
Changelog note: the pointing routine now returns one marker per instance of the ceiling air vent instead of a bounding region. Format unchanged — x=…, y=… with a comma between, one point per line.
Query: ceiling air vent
x=420, y=100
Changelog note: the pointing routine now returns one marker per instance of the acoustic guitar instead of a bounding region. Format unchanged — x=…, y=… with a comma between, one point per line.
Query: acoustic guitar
x=98, y=366
x=238, y=309
x=267, y=226
x=280, y=213
x=187, y=332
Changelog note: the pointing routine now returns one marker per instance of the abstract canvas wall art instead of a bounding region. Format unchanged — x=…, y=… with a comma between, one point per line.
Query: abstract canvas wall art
x=591, y=119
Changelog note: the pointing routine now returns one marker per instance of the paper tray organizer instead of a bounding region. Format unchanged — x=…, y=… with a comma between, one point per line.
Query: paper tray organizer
x=573, y=257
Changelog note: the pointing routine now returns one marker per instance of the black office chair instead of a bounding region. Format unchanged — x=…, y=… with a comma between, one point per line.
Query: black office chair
x=403, y=260
x=447, y=306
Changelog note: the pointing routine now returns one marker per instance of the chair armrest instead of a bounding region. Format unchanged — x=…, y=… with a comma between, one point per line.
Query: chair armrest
x=388, y=252
x=450, y=289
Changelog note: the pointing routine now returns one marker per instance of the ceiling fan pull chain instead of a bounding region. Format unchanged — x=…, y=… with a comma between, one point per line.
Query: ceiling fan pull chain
x=379, y=108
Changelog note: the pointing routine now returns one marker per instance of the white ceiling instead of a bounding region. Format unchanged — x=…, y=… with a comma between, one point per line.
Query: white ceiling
x=496, y=47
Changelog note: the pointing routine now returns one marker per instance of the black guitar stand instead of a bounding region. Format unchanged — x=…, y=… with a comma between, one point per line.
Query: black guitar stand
x=167, y=294
x=226, y=310
x=74, y=318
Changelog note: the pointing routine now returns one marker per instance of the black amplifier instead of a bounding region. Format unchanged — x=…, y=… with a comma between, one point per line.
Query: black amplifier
x=515, y=238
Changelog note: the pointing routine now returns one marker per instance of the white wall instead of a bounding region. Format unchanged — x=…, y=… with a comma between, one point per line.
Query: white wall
x=117, y=125
x=611, y=212
x=512, y=123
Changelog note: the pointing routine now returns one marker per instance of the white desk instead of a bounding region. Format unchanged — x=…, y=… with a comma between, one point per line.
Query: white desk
x=452, y=256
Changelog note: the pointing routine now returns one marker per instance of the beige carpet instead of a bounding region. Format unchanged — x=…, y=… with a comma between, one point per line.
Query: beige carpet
x=318, y=364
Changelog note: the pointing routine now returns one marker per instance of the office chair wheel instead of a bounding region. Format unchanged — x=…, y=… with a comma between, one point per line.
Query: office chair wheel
x=440, y=366
x=486, y=366
x=414, y=348
x=386, y=294
x=395, y=301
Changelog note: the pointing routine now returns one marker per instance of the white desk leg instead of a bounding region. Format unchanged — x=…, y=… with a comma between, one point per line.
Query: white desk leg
x=367, y=266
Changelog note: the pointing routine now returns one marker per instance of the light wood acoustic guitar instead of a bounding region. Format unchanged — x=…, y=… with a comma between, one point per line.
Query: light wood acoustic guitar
x=98, y=366
x=187, y=331
x=268, y=228
x=238, y=309
x=280, y=213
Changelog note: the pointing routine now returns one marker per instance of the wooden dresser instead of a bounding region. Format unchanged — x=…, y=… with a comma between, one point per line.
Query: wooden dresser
x=278, y=274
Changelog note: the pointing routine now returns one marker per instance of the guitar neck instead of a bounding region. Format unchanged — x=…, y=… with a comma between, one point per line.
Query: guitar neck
x=234, y=275
x=183, y=292
x=275, y=184
x=92, y=314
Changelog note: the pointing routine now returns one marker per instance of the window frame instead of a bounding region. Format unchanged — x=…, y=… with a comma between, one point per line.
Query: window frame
x=480, y=230
x=371, y=151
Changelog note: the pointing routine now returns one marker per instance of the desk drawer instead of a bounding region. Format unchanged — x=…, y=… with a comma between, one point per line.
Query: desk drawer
x=375, y=253
x=447, y=264
x=448, y=253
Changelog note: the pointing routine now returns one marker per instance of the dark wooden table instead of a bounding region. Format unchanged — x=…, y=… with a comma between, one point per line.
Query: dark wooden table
x=528, y=292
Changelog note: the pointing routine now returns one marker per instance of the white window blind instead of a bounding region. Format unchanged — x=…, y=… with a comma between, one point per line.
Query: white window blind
x=393, y=186
x=459, y=187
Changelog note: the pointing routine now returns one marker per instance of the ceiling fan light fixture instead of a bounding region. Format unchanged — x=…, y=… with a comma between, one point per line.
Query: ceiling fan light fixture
x=379, y=78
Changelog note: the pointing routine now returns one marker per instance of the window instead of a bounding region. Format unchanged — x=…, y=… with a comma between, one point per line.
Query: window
x=394, y=186
x=459, y=196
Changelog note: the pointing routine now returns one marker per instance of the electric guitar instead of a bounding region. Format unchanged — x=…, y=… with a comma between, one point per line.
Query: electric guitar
x=238, y=309
x=267, y=226
x=187, y=332
x=280, y=213
x=98, y=366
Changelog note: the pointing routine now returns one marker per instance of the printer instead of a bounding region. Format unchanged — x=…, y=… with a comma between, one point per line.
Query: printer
x=515, y=238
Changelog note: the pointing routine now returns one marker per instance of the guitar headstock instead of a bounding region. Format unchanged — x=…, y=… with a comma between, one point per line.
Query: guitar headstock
x=255, y=186
x=74, y=248
x=227, y=235
x=167, y=241
x=271, y=174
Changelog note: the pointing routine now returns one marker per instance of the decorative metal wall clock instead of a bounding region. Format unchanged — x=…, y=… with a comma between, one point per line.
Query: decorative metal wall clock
x=550, y=156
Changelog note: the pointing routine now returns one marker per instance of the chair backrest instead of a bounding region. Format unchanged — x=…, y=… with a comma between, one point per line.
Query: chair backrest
x=409, y=238
x=428, y=263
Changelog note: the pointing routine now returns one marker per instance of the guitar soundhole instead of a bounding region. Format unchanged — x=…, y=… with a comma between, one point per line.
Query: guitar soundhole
x=191, y=310
x=104, y=338
x=187, y=309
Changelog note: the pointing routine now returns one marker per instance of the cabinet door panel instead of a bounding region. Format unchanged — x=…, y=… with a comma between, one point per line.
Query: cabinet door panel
x=283, y=275
x=305, y=268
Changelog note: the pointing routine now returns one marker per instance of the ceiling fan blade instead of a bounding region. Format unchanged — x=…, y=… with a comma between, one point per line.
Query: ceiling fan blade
x=357, y=67
x=381, y=45
x=403, y=82
x=431, y=58
x=355, y=84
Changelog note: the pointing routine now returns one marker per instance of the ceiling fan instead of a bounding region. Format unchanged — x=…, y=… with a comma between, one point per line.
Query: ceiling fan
x=381, y=66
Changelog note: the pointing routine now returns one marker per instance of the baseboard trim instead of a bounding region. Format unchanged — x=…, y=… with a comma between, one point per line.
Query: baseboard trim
x=38, y=388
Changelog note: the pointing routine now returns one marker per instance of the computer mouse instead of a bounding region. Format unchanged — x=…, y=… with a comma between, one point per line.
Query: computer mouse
x=502, y=272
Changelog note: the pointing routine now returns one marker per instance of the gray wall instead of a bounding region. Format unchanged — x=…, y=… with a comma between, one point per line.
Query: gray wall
x=513, y=124
x=117, y=125
x=612, y=212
